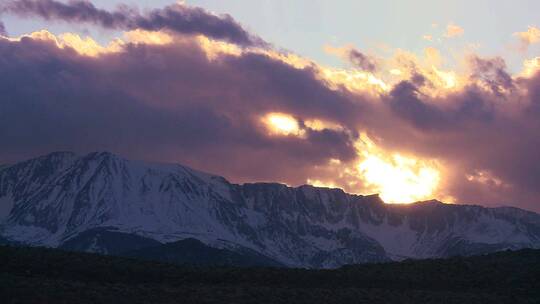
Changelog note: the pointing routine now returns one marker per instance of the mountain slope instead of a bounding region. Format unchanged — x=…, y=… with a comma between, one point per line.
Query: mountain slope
x=105, y=241
x=62, y=199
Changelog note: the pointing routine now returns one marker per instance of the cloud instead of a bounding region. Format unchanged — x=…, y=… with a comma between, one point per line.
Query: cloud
x=355, y=57
x=453, y=30
x=362, y=61
x=3, y=31
x=531, y=36
x=492, y=73
x=427, y=37
x=169, y=102
x=205, y=103
x=177, y=17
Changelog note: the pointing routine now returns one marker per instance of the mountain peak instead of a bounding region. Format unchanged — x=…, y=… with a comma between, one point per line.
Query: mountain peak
x=102, y=155
x=61, y=198
x=431, y=201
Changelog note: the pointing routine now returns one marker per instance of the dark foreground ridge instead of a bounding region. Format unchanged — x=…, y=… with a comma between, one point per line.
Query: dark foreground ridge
x=37, y=275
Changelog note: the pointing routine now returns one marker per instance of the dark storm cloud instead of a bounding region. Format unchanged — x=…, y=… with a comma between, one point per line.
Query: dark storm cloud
x=168, y=103
x=177, y=18
x=3, y=31
x=172, y=103
x=469, y=105
x=405, y=101
x=296, y=90
x=361, y=60
x=485, y=133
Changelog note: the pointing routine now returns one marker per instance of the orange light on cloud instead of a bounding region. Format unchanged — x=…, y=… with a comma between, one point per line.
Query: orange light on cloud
x=319, y=125
x=148, y=37
x=282, y=124
x=532, y=35
x=354, y=80
x=453, y=30
x=486, y=178
x=86, y=46
x=531, y=66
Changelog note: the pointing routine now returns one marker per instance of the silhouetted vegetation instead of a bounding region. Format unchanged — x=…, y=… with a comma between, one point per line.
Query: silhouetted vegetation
x=194, y=252
x=37, y=275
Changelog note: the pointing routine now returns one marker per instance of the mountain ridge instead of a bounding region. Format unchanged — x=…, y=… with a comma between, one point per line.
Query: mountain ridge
x=52, y=199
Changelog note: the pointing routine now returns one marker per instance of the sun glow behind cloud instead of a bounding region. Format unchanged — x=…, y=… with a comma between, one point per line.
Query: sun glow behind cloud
x=400, y=179
x=397, y=178
x=282, y=124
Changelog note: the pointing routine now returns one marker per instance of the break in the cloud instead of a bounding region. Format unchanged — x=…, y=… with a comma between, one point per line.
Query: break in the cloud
x=531, y=36
x=453, y=30
x=409, y=129
x=176, y=17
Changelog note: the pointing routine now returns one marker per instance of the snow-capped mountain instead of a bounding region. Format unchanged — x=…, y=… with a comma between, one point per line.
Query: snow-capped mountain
x=103, y=203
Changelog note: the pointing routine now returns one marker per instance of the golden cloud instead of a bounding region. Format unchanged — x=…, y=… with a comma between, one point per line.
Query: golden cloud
x=453, y=30
x=399, y=177
x=281, y=124
x=531, y=36
x=427, y=37
x=531, y=66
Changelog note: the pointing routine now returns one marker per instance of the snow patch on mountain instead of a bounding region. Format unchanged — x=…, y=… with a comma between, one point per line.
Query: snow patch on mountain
x=6, y=205
x=58, y=198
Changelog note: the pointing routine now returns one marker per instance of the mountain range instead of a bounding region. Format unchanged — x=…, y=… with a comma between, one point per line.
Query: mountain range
x=103, y=203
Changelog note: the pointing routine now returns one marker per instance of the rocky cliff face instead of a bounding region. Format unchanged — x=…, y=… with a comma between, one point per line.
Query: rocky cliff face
x=81, y=202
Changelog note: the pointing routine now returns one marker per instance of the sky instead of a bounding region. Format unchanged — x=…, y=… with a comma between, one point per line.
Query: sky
x=306, y=26
x=413, y=100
